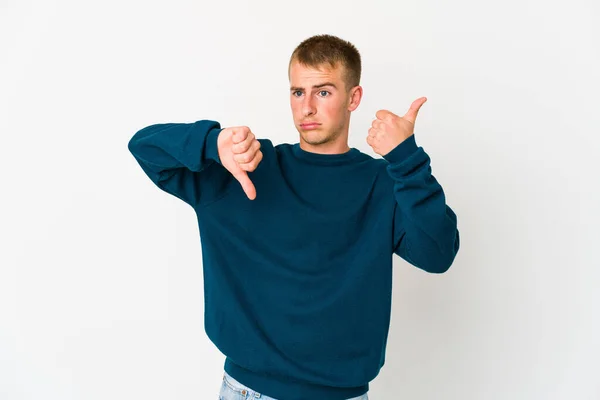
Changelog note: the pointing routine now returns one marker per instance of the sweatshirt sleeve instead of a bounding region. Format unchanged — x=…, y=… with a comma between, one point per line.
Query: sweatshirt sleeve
x=425, y=230
x=177, y=156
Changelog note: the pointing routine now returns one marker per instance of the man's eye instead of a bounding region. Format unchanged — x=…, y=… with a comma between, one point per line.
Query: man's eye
x=320, y=92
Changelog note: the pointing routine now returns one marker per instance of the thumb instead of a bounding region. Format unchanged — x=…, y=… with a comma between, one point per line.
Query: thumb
x=412, y=113
x=247, y=185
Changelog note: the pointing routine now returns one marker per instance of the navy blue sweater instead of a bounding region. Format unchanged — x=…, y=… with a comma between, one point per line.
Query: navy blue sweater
x=298, y=282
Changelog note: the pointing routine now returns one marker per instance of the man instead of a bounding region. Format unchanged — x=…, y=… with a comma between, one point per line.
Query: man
x=297, y=239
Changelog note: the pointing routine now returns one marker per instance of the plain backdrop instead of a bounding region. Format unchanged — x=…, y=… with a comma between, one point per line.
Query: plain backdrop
x=101, y=291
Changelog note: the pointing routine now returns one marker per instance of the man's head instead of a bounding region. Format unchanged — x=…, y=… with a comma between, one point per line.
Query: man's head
x=320, y=60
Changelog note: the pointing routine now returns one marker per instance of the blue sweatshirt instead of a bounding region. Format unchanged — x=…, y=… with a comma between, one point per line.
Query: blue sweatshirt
x=298, y=282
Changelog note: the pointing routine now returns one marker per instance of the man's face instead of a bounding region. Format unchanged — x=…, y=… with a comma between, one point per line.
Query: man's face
x=320, y=96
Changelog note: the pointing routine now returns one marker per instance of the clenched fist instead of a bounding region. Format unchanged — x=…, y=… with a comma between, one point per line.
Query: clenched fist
x=239, y=151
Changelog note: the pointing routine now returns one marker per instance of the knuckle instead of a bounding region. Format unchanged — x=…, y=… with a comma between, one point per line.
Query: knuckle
x=254, y=162
x=243, y=147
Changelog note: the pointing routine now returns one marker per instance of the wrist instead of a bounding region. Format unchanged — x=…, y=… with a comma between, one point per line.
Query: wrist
x=212, y=145
x=402, y=151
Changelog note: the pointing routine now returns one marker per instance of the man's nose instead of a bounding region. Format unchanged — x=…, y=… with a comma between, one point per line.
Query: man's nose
x=308, y=107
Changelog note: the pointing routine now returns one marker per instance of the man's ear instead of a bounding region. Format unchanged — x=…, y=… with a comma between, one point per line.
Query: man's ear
x=355, y=97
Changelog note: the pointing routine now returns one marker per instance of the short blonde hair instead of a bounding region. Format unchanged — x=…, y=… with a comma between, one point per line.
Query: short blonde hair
x=320, y=50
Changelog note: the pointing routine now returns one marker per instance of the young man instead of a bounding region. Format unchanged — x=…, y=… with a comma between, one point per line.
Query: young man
x=297, y=239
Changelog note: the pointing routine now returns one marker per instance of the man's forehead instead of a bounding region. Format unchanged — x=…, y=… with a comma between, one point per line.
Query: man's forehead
x=315, y=76
x=316, y=85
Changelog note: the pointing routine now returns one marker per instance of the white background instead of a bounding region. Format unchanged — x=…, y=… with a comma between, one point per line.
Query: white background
x=101, y=273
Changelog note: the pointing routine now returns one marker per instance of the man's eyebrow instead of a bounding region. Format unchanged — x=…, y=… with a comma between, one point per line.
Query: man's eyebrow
x=294, y=88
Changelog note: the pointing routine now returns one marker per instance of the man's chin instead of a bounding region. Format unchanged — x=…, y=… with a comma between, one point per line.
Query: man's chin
x=316, y=141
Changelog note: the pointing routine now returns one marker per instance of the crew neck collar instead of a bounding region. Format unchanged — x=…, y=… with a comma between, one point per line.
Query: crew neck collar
x=324, y=159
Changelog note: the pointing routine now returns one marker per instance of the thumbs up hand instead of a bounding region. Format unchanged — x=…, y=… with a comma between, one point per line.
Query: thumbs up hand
x=239, y=152
x=388, y=130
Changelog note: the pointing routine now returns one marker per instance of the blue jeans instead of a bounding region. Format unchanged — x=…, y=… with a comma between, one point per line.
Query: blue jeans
x=233, y=390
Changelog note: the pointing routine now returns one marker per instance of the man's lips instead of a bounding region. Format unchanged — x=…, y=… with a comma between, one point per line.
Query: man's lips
x=309, y=124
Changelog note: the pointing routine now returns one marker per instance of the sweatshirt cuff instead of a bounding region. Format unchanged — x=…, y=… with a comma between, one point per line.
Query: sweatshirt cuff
x=402, y=151
x=212, y=149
